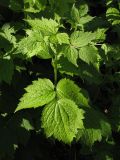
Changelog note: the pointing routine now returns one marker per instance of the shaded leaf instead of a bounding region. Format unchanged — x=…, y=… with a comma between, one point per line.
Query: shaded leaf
x=6, y=69
x=88, y=54
x=71, y=53
x=68, y=89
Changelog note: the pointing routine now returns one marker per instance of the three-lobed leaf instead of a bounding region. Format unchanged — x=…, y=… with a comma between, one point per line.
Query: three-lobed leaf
x=61, y=116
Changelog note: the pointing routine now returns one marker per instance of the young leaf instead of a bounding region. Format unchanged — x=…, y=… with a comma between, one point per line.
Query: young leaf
x=75, y=14
x=68, y=89
x=46, y=26
x=79, y=38
x=39, y=93
x=71, y=53
x=61, y=119
x=88, y=54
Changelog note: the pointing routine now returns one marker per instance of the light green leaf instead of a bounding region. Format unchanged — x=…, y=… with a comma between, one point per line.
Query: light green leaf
x=46, y=26
x=83, y=9
x=39, y=93
x=113, y=15
x=79, y=38
x=7, y=33
x=26, y=124
x=71, y=53
x=88, y=54
x=61, y=119
x=85, y=19
x=100, y=35
x=68, y=89
x=75, y=14
x=33, y=45
x=7, y=39
x=34, y=6
x=6, y=69
x=62, y=38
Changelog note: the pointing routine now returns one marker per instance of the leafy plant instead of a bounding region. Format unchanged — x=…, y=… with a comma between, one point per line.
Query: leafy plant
x=59, y=78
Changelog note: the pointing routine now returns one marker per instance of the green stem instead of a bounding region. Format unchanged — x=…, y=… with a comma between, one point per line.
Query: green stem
x=55, y=70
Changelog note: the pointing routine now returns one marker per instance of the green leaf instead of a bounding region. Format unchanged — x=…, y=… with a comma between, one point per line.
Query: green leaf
x=46, y=26
x=96, y=127
x=39, y=93
x=90, y=136
x=88, y=54
x=113, y=15
x=62, y=7
x=26, y=124
x=65, y=66
x=83, y=9
x=34, y=6
x=61, y=119
x=79, y=17
x=111, y=52
x=16, y=5
x=6, y=69
x=68, y=89
x=87, y=72
x=100, y=35
x=33, y=45
x=85, y=19
x=63, y=38
x=8, y=33
x=79, y=38
x=7, y=39
x=71, y=53
x=75, y=14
